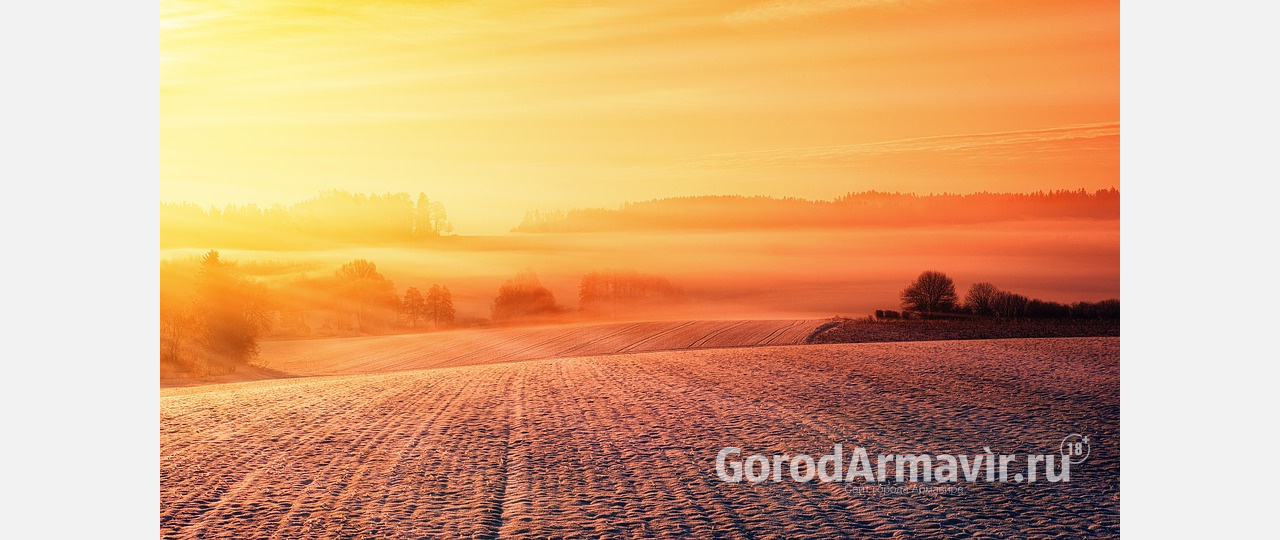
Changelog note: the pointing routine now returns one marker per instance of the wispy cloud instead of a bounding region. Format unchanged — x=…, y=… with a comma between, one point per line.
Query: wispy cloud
x=1027, y=140
x=789, y=10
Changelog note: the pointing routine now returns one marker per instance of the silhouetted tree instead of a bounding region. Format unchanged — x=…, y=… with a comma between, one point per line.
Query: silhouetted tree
x=439, y=306
x=932, y=292
x=523, y=296
x=364, y=290
x=414, y=306
x=1007, y=305
x=1108, y=309
x=979, y=298
x=1105, y=309
x=1046, y=309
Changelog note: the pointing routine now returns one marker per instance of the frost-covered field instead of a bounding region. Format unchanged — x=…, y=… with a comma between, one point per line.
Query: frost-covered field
x=378, y=354
x=624, y=445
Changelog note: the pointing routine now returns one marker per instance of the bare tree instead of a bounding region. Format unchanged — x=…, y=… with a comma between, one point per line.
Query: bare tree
x=980, y=297
x=932, y=292
x=1007, y=305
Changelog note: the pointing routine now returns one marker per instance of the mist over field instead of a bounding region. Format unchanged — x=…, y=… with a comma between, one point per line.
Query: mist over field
x=794, y=273
x=501, y=269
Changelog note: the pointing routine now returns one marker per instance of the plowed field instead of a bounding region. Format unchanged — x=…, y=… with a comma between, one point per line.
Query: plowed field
x=624, y=445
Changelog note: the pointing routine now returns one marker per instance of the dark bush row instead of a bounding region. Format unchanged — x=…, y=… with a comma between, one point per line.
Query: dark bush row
x=933, y=296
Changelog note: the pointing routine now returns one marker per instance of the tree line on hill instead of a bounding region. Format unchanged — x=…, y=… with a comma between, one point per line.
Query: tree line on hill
x=864, y=209
x=933, y=295
x=213, y=314
x=330, y=217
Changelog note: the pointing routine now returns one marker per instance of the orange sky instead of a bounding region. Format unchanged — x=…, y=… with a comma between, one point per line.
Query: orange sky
x=497, y=107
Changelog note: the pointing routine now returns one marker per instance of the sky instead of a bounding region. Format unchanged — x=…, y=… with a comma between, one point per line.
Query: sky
x=496, y=107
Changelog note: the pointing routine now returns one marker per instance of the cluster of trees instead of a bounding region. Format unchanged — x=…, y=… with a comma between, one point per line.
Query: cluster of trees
x=358, y=298
x=216, y=328
x=988, y=300
x=864, y=209
x=524, y=297
x=933, y=294
x=332, y=216
x=436, y=309
x=212, y=318
x=213, y=315
x=601, y=293
x=611, y=293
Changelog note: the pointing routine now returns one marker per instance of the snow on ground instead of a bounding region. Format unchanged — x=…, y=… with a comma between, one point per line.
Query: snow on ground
x=624, y=445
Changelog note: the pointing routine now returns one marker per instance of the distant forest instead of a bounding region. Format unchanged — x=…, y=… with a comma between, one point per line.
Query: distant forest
x=865, y=209
x=329, y=218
